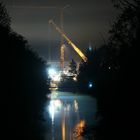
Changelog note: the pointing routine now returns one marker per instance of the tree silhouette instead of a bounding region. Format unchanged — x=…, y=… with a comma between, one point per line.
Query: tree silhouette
x=73, y=67
x=4, y=17
x=123, y=59
x=114, y=68
x=94, y=70
x=124, y=29
x=26, y=82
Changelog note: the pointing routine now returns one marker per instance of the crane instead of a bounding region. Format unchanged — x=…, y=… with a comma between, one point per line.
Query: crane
x=79, y=52
x=62, y=40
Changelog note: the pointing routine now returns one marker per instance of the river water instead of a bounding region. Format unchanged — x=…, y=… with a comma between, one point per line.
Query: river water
x=66, y=114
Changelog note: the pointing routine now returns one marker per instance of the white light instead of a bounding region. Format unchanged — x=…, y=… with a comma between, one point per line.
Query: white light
x=56, y=78
x=90, y=48
x=75, y=105
x=74, y=78
x=51, y=110
x=51, y=72
x=54, y=75
x=54, y=106
x=90, y=84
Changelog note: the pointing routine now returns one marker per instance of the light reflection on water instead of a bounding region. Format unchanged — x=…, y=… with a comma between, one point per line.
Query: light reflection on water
x=66, y=120
x=78, y=130
x=54, y=107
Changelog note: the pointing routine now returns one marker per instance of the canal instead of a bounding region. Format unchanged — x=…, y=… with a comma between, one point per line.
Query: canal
x=66, y=114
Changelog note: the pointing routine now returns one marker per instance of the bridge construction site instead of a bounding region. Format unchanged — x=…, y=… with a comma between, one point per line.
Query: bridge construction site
x=57, y=76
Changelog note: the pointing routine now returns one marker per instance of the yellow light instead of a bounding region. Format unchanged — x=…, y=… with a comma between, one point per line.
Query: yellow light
x=79, y=128
x=74, y=78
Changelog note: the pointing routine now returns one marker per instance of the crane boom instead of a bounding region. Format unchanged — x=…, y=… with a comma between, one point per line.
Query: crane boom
x=69, y=41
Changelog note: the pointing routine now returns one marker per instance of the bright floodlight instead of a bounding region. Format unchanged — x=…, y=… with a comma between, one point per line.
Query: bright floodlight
x=51, y=72
x=54, y=75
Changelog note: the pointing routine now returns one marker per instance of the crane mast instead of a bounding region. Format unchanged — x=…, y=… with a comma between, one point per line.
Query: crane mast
x=62, y=48
x=69, y=41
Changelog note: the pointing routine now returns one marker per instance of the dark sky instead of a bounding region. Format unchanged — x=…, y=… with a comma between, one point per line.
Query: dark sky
x=84, y=22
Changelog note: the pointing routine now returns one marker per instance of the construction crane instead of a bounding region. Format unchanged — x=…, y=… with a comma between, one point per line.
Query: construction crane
x=79, y=52
x=61, y=23
x=62, y=49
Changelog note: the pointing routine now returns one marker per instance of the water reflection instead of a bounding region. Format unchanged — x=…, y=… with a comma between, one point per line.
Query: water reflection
x=79, y=129
x=63, y=126
x=61, y=108
x=54, y=107
x=75, y=105
x=66, y=113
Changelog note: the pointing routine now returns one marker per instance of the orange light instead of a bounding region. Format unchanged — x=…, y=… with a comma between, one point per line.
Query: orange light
x=79, y=128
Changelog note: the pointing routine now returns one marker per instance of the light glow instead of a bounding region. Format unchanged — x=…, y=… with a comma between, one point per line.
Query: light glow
x=51, y=72
x=75, y=106
x=54, y=107
x=90, y=84
x=54, y=75
x=79, y=128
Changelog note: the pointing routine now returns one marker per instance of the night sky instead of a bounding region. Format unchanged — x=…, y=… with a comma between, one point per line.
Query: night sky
x=85, y=21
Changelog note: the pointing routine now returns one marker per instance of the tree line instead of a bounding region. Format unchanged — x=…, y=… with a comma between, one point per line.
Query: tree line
x=26, y=83
x=114, y=70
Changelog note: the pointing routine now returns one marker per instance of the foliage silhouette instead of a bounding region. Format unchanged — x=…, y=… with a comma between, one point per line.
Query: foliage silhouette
x=27, y=83
x=114, y=69
x=73, y=67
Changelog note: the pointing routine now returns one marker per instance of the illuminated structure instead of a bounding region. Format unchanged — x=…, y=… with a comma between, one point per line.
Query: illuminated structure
x=62, y=52
x=79, y=52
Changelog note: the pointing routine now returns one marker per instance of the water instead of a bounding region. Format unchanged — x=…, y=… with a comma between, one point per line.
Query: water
x=66, y=114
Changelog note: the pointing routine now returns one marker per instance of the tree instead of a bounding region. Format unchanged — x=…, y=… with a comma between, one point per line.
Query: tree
x=124, y=30
x=26, y=82
x=123, y=57
x=4, y=16
x=124, y=38
x=73, y=67
x=114, y=68
x=92, y=70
